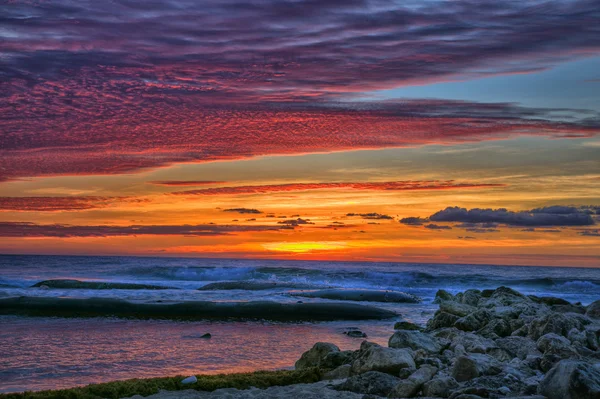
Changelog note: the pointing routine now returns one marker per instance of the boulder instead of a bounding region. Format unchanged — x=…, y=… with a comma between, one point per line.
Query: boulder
x=387, y=360
x=439, y=387
x=593, y=310
x=406, y=325
x=411, y=386
x=340, y=372
x=441, y=320
x=557, y=323
x=315, y=355
x=519, y=347
x=443, y=295
x=474, y=365
x=496, y=328
x=414, y=340
x=355, y=334
x=457, y=309
x=471, y=297
x=570, y=379
x=336, y=358
x=474, y=321
x=370, y=383
x=189, y=380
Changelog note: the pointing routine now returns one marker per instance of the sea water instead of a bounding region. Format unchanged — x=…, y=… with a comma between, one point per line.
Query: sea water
x=51, y=352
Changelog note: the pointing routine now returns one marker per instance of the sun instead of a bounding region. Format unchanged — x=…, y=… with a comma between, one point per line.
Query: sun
x=305, y=246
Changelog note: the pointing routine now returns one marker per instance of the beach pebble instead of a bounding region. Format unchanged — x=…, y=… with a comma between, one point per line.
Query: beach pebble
x=189, y=380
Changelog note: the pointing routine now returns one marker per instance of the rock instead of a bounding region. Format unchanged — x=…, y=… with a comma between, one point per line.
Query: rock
x=206, y=336
x=443, y=295
x=474, y=365
x=571, y=380
x=371, y=382
x=457, y=309
x=189, y=380
x=361, y=295
x=593, y=310
x=557, y=323
x=336, y=359
x=496, y=328
x=549, y=300
x=507, y=296
x=441, y=320
x=340, y=372
x=315, y=355
x=552, y=341
x=406, y=325
x=355, y=334
x=519, y=347
x=439, y=387
x=386, y=360
x=409, y=387
x=474, y=321
x=471, y=297
x=414, y=340
x=568, y=309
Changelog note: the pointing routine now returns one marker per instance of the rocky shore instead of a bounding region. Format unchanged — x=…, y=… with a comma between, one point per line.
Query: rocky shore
x=479, y=344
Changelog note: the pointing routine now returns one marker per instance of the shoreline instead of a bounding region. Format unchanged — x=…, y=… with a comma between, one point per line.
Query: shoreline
x=484, y=344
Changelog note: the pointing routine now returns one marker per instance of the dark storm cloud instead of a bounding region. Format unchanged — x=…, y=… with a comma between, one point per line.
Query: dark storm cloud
x=551, y=216
x=108, y=90
x=433, y=226
x=414, y=221
x=371, y=215
x=243, y=210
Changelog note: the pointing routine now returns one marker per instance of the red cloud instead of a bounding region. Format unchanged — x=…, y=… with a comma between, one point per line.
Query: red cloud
x=49, y=204
x=384, y=186
x=20, y=229
x=185, y=182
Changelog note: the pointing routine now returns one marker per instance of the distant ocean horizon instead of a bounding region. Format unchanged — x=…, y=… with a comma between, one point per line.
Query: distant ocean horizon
x=54, y=352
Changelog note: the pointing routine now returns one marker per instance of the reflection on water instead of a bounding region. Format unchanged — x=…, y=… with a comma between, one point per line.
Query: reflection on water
x=49, y=353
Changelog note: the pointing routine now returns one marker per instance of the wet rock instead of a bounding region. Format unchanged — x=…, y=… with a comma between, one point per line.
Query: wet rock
x=557, y=323
x=571, y=380
x=371, y=382
x=315, y=355
x=440, y=387
x=496, y=328
x=406, y=325
x=441, y=320
x=457, y=309
x=414, y=340
x=340, y=372
x=409, y=387
x=355, y=334
x=474, y=365
x=471, y=297
x=519, y=347
x=593, y=310
x=189, y=380
x=443, y=295
x=335, y=359
x=474, y=321
x=386, y=360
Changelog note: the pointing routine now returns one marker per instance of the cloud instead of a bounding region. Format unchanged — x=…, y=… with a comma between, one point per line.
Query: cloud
x=243, y=210
x=541, y=217
x=88, y=90
x=295, y=222
x=372, y=215
x=21, y=229
x=433, y=226
x=186, y=182
x=590, y=232
x=382, y=186
x=57, y=204
x=467, y=238
x=414, y=221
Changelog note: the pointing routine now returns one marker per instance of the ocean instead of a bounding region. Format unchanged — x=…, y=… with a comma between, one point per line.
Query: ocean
x=52, y=352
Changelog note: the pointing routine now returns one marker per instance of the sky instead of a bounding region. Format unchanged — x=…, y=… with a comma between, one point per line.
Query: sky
x=426, y=131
